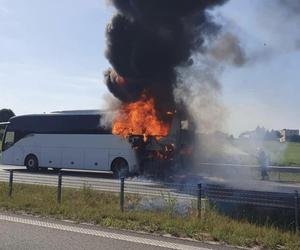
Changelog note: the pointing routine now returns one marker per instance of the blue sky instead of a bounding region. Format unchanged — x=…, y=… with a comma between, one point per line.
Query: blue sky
x=52, y=58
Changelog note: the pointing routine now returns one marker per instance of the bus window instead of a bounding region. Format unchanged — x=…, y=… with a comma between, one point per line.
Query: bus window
x=9, y=140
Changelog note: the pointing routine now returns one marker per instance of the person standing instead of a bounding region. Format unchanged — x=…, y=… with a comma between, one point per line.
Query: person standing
x=263, y=163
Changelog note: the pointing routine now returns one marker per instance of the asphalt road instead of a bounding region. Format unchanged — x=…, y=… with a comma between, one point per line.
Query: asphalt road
x=26, y=232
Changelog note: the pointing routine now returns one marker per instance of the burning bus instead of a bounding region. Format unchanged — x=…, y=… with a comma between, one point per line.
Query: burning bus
x=78, y=140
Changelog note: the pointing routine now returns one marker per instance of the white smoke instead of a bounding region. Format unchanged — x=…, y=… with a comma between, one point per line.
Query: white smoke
x=272, y=29
x=111, y=109
x=227, y=49
x=198, y=85
x=199, y=90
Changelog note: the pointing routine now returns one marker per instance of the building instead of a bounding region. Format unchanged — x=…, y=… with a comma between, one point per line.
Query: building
x=289, y=135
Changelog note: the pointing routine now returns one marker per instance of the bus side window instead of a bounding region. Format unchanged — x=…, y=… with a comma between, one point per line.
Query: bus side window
x=9, y=140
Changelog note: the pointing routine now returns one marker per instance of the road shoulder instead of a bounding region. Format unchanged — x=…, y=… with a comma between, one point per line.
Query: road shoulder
x=123, y=235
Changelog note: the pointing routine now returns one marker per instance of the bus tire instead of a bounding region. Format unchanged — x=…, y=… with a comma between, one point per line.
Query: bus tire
x=32, y=163
x=120, y=168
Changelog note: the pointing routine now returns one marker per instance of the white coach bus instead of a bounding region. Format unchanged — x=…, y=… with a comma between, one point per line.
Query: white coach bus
x=70, y=140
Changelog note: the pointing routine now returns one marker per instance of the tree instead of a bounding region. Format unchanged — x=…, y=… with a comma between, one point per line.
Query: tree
x=6, y=114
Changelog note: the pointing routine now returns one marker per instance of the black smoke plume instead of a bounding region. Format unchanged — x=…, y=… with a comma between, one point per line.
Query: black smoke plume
x=147, y=39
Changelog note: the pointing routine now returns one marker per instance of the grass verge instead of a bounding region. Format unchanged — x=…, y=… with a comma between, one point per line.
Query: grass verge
x=283, y=154
x=86, y=205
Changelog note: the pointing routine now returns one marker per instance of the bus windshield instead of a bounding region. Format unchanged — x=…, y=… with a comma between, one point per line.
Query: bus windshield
x=8, y=140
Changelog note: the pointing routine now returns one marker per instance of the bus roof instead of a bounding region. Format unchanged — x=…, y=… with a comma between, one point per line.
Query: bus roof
x=79, y=112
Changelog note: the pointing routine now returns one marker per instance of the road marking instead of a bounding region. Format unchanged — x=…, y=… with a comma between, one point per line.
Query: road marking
x=103, y=234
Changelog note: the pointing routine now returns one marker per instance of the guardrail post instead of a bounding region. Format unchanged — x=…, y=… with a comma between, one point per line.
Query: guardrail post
x=199, y=200
x=296, y=212
x=10, y=184
x=59, y=183
x=122, y=194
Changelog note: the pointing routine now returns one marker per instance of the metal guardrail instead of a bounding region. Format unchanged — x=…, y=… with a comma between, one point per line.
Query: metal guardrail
x=284, y=169
x=213, y=193
x=260, y=198
x=184, y=191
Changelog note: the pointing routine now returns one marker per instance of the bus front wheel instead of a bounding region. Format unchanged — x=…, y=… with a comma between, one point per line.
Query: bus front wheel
x=120, y=168
x=32, y=163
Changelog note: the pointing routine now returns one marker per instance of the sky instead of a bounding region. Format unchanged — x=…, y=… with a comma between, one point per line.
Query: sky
x=52, y=58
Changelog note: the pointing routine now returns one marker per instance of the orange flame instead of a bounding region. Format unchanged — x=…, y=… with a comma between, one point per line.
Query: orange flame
x=139, y=118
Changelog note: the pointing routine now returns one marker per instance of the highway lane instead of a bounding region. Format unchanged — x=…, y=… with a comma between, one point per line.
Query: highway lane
x=27, y=232
x=105, y=182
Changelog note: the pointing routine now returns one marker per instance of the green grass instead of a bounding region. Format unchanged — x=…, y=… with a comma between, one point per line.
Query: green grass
x=284, y=154
x=292, y=154
x=100, y=208
x=281, y=154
